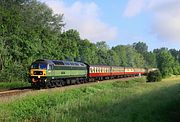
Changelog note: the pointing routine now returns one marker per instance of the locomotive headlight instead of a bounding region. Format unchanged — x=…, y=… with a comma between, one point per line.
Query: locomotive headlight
x=44, y=72
x=31, y=72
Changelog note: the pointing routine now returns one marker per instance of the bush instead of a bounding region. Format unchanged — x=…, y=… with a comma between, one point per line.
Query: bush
x=154, y=76
x=176, y=70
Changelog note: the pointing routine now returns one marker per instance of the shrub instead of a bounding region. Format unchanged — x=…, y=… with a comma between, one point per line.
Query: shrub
x=176, y=70
x=154, y=76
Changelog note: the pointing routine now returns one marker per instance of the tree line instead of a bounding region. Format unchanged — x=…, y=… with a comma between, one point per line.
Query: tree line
x=29, y=30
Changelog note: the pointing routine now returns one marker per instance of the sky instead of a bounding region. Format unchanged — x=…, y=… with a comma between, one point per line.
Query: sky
x=122, y=22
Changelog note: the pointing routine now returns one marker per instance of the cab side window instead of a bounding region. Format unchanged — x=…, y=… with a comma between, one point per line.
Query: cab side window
x=50, y=67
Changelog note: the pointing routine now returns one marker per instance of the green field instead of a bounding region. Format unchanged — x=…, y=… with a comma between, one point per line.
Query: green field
x=117, y=101
x=13, y=85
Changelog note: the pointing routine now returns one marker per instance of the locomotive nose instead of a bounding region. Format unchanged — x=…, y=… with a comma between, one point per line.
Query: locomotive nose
x=35, y=72
x=37, y=75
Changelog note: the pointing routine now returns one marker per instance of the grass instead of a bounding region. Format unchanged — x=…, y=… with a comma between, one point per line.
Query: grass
x=13, y=85
x=119, y=101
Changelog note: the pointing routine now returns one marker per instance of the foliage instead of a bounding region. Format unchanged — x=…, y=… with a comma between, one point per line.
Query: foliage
x=176, y=54
x=87, y=52
x=102, y=52
x=154, y=76
x=29, y=30
x=150, y=59
x=128, y=56
x=121, y=51
x=165, y=62
x=176, y=70
x=141, y=47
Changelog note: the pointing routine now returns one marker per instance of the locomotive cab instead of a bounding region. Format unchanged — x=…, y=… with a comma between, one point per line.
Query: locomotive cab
x=39, y=71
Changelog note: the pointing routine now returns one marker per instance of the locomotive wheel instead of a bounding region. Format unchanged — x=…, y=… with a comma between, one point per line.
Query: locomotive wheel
x=81, y=80
x=85, y=80
x=53, y=83
x=58, y=83
x=48, y=85
x=42, y=85
x=63, y=82
x=78, y=81
x=36, y=85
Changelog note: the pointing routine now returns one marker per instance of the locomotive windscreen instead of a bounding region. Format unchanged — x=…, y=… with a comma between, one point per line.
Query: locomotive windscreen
x=38, y=66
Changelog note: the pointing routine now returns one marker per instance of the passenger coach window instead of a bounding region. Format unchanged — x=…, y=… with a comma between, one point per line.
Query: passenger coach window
x=91, y=70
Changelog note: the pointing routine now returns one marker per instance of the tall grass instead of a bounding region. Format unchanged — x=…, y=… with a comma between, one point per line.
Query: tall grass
x=117, y=101
x=13, y=85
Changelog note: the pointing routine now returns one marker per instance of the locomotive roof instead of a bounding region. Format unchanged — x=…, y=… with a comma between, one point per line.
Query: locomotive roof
x=61, y=62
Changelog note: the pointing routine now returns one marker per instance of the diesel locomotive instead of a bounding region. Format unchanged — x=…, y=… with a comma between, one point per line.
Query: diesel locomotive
x=55, y=73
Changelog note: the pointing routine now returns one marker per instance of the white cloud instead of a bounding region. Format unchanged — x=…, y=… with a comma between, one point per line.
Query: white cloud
x=85, y=17
x=166, y=20
x=165, y=24
x=134, y=7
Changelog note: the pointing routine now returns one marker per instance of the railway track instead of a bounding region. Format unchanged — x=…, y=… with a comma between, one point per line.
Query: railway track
x=13, y=92
x=19, y=91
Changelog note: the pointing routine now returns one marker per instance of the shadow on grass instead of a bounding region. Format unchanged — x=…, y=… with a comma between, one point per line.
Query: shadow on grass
x=21, y=88
x=162, y=105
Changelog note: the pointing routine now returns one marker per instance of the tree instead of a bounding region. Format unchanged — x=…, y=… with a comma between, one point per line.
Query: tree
x=121, y=53
x=134, y=59
x=112, y=58
x=165, y=61
x=176, y=54
x=28, y=31
x=87, y=52
x=141, y=47
x=102, y=49
x=128, y=56
x=150, y=59
x=69, y=44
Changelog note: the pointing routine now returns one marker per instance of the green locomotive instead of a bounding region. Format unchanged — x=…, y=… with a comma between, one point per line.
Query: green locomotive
x=51, y=73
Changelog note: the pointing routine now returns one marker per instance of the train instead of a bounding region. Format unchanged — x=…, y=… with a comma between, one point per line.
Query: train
x=44, y=73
